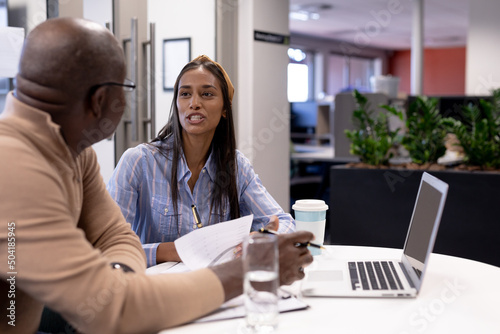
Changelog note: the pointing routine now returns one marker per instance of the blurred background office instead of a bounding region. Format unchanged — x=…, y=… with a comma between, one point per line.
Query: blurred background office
x=288, y=59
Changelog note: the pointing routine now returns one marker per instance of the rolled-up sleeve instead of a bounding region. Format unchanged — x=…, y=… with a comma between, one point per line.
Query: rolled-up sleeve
x=256, y=200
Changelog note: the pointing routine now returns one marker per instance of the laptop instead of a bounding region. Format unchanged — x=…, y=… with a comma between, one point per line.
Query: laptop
x=389, y=277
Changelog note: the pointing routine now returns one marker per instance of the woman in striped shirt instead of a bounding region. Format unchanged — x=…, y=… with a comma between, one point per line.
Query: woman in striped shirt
x=192, y=161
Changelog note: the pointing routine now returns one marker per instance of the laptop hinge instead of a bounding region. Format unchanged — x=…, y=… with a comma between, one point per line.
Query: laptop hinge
x=408, y=278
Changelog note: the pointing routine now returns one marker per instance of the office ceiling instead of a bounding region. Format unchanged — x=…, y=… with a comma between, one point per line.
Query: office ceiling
x=383, y=24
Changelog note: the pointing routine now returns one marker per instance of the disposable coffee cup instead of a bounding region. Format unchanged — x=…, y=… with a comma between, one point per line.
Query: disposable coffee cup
x=310, y=215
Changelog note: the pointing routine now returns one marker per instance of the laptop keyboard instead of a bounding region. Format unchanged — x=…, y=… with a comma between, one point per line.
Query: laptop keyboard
x=374, y=275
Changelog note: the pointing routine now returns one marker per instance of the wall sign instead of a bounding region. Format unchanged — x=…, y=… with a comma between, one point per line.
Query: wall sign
x=271, y=38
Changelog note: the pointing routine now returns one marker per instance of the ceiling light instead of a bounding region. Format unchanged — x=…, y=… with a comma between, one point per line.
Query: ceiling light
x=303, y=15
x=296, y=54
x=314, y=16
x=308, y=12
x=299, y=16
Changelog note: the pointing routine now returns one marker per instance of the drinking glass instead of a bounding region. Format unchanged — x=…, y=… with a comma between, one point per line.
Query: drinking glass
x=261, y=282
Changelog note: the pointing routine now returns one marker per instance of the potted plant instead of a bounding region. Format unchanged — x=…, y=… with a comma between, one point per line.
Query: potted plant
x=373, y=140
x=426, y=130
x=479, y=133
x=372, y=206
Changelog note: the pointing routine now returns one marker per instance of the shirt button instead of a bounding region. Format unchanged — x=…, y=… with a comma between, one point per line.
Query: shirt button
x=194, y=227
x=204, y=170
x=166, y=210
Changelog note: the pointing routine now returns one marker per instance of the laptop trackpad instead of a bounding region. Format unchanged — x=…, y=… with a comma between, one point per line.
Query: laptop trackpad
x=325, y=275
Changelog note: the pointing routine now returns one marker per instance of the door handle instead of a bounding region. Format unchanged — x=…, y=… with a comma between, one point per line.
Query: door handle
x=152, y=81
x=134, y=106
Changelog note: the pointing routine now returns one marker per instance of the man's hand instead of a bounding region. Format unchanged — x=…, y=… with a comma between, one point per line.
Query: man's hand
x=293, y=259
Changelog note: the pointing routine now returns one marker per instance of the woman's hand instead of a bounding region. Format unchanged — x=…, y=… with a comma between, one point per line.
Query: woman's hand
x=273, y=225
x=166, y=252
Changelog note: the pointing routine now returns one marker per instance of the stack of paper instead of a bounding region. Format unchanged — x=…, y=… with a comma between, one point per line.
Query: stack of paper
x=212, y=245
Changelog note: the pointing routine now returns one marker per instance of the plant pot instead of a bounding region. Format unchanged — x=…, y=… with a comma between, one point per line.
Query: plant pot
x=373, y=207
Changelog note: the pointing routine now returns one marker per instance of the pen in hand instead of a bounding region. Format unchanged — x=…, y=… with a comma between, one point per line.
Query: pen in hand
x=298, y=244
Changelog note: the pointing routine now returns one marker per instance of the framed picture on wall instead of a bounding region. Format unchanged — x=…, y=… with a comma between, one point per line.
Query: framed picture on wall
x=176, y=54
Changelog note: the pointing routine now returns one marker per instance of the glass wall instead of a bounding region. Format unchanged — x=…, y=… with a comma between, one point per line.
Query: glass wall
x=341, y=74
x=300, y=75
x=348, y=73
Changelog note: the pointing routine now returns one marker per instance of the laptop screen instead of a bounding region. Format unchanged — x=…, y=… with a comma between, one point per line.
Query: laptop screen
x=425, y=222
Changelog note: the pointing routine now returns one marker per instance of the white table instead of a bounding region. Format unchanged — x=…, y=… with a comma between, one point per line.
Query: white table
x=457, y=296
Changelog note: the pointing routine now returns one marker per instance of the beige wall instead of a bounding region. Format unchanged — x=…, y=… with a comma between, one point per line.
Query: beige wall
x=483, y=48
x=180, y=19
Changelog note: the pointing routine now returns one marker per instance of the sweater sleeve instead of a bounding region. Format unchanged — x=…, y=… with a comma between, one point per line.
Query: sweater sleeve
x=66, y=267
x=102, y=221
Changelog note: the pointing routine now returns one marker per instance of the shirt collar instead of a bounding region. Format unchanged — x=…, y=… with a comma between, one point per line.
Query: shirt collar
x=184, y=172
x=210, y=166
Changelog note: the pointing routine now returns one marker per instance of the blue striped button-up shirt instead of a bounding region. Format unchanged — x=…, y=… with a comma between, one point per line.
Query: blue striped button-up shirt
x=141, y=185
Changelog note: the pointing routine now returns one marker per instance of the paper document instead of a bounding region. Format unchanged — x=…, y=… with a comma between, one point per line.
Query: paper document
x=234, y=308
x=213, y=244
x=167, y=267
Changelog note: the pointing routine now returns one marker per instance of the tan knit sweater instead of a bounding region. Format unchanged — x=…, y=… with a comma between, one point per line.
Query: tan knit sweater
x=62, y=230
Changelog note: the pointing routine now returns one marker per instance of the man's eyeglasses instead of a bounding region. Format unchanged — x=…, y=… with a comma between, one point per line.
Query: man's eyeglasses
x=127, y=85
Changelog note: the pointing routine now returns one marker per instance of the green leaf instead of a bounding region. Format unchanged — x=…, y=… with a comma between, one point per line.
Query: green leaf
x=371, y=139
x=425, y=130
x=479, y=132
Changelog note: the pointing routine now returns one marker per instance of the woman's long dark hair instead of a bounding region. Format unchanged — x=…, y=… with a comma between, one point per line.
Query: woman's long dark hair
x=223, y=146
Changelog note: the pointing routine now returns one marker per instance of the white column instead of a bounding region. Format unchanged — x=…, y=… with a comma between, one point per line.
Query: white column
x=263, y=108
x=417, y=48
x=319, y=77
x=483, y=48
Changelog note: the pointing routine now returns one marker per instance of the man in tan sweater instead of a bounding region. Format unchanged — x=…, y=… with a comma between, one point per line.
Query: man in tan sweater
x=64, y=243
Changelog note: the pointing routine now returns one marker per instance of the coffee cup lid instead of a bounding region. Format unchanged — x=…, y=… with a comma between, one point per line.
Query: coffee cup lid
x=309, y=205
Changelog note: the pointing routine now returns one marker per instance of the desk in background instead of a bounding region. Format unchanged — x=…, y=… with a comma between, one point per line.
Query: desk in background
x=310, y=174
x=309, y=161
x=457, y=296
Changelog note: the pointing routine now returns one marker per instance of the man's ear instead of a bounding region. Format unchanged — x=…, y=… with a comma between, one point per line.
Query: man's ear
x=97, y=101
